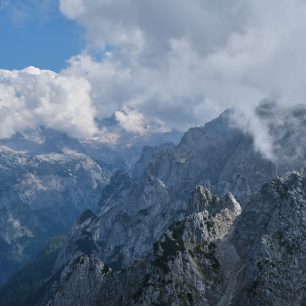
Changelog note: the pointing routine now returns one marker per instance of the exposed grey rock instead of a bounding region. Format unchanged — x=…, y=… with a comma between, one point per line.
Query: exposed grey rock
x=40, y=196
x=135, y=212
x=81, y=241
x=147, y=155
x=80, y=283
x=218, y=256
x=183, y=261
x=271, y=239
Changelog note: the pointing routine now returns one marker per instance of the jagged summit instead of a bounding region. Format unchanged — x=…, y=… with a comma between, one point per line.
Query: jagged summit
x=134, y=212
x=215, y=183
x=40, y=196
x=184, y=240
x=220, y=255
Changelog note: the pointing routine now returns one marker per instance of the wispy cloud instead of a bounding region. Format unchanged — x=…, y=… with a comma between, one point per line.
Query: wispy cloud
x=21, y=11
x=180, y=63
x=184, y=62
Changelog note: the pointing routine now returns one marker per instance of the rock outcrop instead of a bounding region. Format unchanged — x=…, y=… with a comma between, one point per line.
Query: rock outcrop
x=164, y=237
x=185, y=259
x=221, y=255
x=40, y=196
x=134, y=212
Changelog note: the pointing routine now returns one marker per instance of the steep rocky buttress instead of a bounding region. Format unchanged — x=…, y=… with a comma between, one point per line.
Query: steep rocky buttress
x=217, y=256
x=196, y=224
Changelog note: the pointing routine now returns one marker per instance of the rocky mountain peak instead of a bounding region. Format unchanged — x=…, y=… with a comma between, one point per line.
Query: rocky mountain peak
x=202, y=200
x=199, y=223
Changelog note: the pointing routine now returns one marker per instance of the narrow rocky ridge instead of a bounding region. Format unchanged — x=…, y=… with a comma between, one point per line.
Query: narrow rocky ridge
x=187, y=249
x=219, y=255
x=205, y=252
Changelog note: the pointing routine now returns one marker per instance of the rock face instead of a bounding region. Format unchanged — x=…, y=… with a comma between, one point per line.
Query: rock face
x=48, y=178
x=270, y=237
x=217, y=256
x=148, y=153
x=183, y=257
x=40, y=196
x=134, y=212
x=204, y=252
x=188, y=265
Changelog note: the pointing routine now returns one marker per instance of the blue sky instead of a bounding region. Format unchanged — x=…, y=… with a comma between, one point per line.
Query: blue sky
x=34, y=33
x=172, y=64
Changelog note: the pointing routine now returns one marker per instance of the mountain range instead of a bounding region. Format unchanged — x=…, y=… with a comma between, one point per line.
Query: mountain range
x=49, y=178
x=207, y=221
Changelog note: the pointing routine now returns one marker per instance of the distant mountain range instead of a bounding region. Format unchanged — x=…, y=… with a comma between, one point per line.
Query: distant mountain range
x=48, y=178
x=208, y=221
x=113, y=147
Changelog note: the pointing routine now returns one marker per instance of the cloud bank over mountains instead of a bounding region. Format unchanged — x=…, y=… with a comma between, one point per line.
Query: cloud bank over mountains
x=34, y=97
x=176, y=63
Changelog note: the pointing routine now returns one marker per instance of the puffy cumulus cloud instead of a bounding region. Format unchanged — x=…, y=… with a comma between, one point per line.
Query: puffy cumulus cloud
x=131, y=121
x=149, y=24
x=34, y=97
x=112, y=82
x=183, y=62
x=167, y=64
x=170, y=93
x=135, y=122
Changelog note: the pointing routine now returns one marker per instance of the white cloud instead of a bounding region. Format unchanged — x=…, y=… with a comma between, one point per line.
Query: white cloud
x=73, y=8
x=132, y=121
x=173, y=63
x=135, y=22
x=21, y=11
x=33, y=97
x=186, y=61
